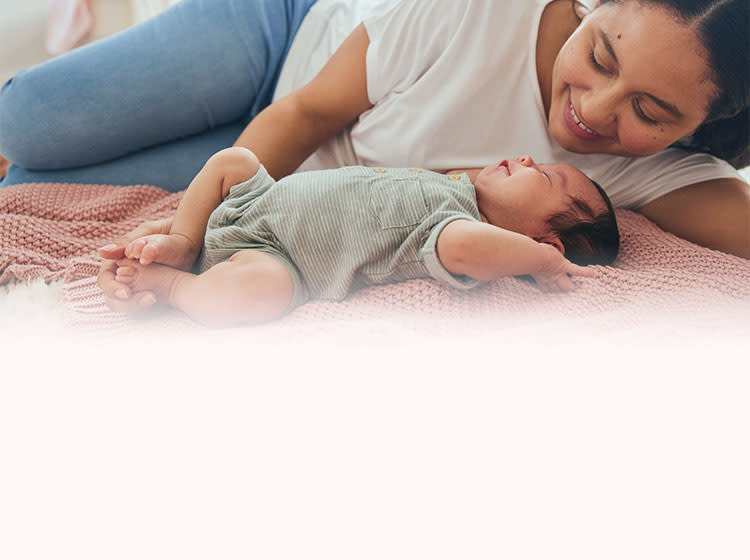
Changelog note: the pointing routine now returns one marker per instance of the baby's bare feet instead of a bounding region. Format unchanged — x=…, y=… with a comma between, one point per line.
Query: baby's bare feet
x=154, y=277
x=170, y=249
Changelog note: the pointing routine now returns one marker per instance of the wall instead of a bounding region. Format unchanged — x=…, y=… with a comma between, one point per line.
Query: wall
x=24, y=22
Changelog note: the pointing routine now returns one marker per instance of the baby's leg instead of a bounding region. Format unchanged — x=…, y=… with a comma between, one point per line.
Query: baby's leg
x=250, y=287
x=182, y=245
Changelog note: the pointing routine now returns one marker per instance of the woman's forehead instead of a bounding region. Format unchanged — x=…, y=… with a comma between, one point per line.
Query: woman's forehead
x=656, y=53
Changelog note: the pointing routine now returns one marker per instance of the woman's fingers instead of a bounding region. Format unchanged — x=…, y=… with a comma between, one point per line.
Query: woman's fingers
x=109, y=285
x=111, y=252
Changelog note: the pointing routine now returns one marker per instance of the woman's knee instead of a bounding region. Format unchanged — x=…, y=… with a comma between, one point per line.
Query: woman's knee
x=17, y=122
x=37, y=122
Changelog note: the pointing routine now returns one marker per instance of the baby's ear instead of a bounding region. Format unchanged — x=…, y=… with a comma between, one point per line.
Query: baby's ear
x=553, y=240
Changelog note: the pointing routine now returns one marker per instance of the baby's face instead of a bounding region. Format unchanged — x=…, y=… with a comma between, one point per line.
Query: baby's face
x=521, y=196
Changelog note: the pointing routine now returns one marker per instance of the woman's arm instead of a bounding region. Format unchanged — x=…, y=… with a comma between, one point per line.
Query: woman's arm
x=486, y=252
x=284, y=134
x=715, y=214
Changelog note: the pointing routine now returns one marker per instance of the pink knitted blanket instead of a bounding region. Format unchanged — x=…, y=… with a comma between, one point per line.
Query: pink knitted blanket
x=52, y=231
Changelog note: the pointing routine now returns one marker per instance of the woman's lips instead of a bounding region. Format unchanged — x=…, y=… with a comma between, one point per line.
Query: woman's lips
x=573, y=121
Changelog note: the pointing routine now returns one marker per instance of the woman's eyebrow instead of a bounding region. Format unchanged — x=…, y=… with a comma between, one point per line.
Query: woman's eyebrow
x=608, y=45
x=668, y=107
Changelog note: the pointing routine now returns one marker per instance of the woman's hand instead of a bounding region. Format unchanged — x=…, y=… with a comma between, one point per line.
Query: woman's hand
x=117, y=295
x=554, y=276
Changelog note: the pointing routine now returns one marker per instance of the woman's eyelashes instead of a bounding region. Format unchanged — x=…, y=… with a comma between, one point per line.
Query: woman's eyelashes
x=595, y=63
x=636, y=102
x=643, y=116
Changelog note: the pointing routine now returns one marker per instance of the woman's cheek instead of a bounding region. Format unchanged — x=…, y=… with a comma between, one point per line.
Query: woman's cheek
x=642, y=139
x=570, y=65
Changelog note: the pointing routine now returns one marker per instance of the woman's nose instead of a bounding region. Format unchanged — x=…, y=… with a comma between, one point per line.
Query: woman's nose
x=525, y=160
x=598, y=109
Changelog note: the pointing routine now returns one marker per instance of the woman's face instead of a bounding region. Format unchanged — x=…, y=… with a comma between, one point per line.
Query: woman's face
x=630, y=81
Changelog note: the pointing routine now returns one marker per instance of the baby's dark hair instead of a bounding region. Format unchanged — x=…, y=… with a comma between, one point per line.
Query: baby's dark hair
x=588, y=238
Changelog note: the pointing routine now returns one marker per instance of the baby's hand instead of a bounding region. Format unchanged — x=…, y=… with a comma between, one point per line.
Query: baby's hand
x=556, y=273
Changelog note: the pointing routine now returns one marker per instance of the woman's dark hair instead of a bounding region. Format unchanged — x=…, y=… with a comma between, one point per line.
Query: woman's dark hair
x=722, y=26
x=588, y=238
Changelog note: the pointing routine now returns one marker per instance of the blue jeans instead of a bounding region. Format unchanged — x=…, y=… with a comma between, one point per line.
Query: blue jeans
x=150, y=104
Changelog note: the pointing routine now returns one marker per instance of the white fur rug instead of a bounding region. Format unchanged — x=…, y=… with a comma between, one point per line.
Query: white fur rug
x=31, y=306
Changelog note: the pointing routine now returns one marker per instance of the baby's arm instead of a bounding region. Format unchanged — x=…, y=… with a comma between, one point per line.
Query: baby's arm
x=181, y=245
x=486, y=252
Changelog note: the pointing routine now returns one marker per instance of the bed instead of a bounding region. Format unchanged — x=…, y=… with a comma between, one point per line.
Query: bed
x=49, y=234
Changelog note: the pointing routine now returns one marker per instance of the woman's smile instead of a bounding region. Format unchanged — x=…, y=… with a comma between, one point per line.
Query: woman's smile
x=611, y=93
x=575, y=124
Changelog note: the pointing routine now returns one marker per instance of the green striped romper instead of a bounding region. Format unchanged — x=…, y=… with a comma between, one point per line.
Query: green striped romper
x=342, y=229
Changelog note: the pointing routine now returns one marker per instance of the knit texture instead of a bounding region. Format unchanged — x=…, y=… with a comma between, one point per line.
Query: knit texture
x=52, y=231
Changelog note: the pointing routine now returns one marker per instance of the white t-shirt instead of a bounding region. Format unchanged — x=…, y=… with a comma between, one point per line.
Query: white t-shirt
x=453, y=85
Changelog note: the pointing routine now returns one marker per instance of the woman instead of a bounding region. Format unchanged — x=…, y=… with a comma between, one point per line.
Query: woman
x=427, y=83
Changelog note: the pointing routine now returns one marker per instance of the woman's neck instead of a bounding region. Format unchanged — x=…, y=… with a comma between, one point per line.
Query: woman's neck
x=557, y=24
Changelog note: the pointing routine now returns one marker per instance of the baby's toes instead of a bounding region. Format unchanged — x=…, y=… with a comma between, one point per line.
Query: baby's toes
x=150, y=252
x=134, y=248
x=126, y=274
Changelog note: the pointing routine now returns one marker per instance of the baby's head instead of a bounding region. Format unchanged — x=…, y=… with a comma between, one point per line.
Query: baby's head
x=551, y=203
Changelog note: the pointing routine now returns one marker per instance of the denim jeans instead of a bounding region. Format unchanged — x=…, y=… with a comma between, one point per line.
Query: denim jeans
x=150, y=104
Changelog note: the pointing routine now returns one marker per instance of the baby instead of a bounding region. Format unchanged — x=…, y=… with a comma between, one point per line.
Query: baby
x=261, y=247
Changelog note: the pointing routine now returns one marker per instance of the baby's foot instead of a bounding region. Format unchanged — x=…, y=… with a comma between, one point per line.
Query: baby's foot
x=170, y=249
x=154, y=277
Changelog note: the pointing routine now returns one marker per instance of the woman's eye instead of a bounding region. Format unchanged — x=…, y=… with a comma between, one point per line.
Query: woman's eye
x=598, y=67
x=641, y=115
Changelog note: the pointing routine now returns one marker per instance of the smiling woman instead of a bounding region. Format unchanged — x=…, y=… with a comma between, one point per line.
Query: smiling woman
x=615, y=104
